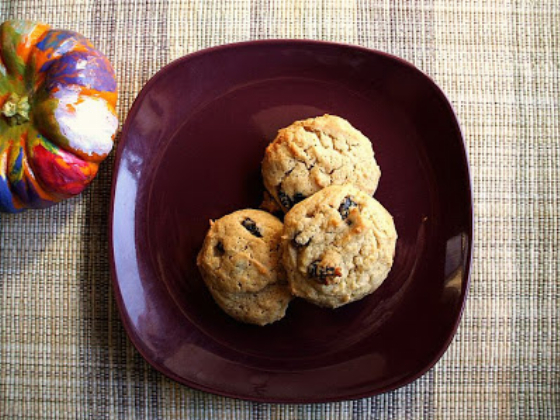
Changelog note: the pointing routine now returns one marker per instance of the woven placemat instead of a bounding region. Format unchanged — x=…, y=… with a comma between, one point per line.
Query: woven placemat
x=63, y=350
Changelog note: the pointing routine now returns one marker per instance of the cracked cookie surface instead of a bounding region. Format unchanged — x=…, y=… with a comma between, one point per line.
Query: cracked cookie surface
x=312, y=154
x=240, y=264
x=338, y=246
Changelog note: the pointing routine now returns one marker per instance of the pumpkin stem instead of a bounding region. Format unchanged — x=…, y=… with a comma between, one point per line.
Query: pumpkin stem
x=16, y=109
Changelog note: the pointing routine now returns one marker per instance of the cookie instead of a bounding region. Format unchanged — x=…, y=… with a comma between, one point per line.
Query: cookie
x=338, y=246
x=263, y=307
x=270, y=205
x=312, y=154
x=240, y=263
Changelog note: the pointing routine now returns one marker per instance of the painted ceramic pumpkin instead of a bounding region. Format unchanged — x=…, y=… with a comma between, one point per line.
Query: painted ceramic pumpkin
x=57, y=114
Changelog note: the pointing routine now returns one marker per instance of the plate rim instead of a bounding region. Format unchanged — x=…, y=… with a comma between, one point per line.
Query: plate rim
x=131, y=114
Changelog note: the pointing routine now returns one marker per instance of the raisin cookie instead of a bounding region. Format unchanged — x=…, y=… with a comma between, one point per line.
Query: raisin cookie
x=240, y=263
x=338, y=246
x=312, y=154
x=270, y=205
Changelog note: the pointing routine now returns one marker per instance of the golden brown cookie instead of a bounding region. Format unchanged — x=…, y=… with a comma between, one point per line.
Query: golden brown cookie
x=240, y=263
x=338, y=246
x=312, y=154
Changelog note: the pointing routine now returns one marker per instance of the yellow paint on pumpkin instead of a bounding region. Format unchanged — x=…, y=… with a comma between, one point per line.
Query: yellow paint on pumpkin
x=13, y=149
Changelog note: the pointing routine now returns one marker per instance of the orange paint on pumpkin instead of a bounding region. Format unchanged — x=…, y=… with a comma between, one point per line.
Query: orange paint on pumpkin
x=4, y=98
x=39, y=58
x=86, y=47
x=80, y=99
x=110, y=97
x=38, y=169
x=24, y=48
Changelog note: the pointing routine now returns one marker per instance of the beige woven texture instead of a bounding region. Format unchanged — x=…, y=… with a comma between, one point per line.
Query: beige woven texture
x=63, y=350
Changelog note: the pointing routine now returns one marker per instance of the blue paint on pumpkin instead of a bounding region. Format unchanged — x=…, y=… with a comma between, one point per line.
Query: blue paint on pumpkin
x=19, y=186
x=32, y=197
x=23, y=189
x=59, y=43
x=90, y=70
x=6, y=203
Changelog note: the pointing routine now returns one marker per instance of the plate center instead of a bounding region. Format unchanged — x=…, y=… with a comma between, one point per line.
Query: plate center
x=211, y=167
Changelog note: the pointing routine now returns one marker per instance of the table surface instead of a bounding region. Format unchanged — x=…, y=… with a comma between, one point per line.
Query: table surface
x=63, y=350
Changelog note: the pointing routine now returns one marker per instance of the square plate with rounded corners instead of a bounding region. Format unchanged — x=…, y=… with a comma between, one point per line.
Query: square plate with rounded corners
x=191, y=150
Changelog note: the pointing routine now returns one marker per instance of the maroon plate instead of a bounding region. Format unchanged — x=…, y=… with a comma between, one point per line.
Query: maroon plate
x=191, y=151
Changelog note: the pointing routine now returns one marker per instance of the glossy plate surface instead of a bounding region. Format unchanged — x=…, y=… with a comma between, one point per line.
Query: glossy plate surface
x=191, y=150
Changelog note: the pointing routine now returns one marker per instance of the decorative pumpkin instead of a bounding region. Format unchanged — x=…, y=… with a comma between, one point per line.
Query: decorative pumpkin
x=57, y=114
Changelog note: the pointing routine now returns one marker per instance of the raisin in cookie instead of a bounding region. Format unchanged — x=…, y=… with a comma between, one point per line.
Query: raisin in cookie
x=312, y=154
x=240, y=263
x=338, y=246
